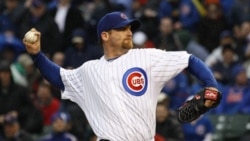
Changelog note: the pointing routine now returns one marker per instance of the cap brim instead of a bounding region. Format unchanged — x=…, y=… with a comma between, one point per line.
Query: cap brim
x=135, y=24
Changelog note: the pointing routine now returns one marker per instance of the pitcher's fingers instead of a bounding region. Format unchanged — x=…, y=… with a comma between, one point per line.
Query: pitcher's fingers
x=27, y=44
x=209, y=103
x=38, y=34
x=33, y=29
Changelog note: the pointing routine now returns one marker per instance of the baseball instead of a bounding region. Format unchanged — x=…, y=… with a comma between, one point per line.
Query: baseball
x=30, y=37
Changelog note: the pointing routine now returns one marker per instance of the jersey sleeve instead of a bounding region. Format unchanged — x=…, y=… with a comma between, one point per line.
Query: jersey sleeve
x=167, y=64
x=73, y=81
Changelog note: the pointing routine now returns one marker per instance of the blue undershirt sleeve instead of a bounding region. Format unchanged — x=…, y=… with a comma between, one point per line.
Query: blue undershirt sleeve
x=198, y=69
x=49, y=70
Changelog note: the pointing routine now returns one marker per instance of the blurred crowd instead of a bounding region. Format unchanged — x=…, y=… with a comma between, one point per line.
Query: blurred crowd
x=216, y=31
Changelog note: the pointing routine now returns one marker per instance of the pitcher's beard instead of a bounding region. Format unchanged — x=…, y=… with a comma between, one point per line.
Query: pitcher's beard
x=127, y=44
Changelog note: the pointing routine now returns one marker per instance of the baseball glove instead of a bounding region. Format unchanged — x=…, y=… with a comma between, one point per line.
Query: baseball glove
x=192, y=109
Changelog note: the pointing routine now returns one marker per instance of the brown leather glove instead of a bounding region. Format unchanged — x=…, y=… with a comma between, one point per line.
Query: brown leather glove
x=194, y=108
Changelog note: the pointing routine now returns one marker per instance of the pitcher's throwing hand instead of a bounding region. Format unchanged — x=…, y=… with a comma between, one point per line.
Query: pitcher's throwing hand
x=32, y=45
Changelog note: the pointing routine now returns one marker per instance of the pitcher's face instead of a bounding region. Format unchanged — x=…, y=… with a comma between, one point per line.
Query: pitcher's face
x=122, y=37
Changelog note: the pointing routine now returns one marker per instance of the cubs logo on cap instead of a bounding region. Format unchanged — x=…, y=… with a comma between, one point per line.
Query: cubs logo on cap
x=124, y=16
x=135, y=81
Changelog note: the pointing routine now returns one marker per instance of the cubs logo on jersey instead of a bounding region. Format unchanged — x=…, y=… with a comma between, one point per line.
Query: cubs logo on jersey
x=135, y=81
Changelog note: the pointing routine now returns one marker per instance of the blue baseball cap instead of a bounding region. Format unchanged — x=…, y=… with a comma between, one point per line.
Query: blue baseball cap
x=10, y=119
x=61, y=115
x=115, y=20
x=37, y=3
x=225, y=33
x=238, y=69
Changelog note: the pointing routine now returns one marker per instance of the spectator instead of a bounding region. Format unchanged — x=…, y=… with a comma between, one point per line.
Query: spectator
x=185, y=41
x=39, y=18
x=150, y=19
x=25, y=74
x=67, y=17
x=15, y=99
x=210, y=26
x=241, y=37
x=137, y=8
x=79, y=124
x=167, y=125
x=200, y=129
x=13, y=11
x=81, y=51
x=123, y=6
x=100, y=8
x=140, y=40
x=189, y=16
x=222, y=69
x=164, y=99
x=159, y=137
x=239, y=12
x=10, y=42
x=169, y=9
x=60, y=126
x=165, y=39
x=46, y=102
x=227, y=6
x=59, y=58
x=226, y=38
x=13, y=130
x=8, y=54
x=245, y=33
x=236, y=96
x=176, y=89
x=243, y=41
x=24, y=63
x=30, y=72
x=246, y=62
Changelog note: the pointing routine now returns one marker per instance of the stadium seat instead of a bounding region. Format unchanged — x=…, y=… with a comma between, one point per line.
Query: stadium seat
x=219, y=122
x=236, y=126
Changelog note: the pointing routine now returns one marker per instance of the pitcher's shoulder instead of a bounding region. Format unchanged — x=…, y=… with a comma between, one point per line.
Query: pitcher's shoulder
x=156, y=50
x=92, y=62
x=143, y=50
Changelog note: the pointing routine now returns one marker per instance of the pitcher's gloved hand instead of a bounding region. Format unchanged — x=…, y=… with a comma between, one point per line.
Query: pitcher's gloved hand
x=203, y=101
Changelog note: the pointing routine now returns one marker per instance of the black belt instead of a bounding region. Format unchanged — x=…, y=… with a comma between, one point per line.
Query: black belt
x=103, y=140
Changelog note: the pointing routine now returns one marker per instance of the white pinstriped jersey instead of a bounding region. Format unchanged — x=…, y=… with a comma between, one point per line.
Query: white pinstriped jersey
x=119, y=97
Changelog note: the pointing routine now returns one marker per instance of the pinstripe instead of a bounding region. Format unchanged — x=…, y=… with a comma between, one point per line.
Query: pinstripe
x=112, y=112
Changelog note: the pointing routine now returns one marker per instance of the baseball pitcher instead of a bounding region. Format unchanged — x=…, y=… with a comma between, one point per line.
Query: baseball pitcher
x=118, y=92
